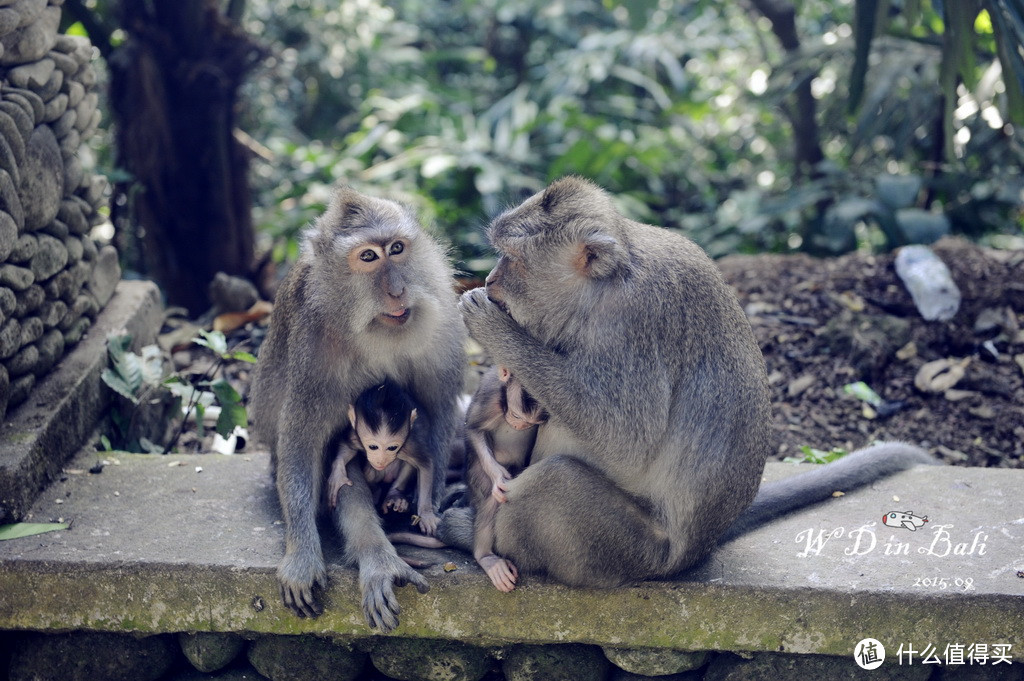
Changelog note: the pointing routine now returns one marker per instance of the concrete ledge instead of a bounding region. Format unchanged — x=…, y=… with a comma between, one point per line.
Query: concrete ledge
x=63, y=409
x=161, y=548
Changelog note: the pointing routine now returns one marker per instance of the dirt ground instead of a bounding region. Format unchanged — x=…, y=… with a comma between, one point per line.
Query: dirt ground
x=824, y=324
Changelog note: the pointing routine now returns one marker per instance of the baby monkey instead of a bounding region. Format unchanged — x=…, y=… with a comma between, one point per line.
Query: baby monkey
x=381, y=425
x=501, y=426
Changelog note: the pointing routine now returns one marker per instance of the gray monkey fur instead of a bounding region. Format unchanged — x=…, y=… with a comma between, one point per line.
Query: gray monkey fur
x=324, y=347
x=659, y=408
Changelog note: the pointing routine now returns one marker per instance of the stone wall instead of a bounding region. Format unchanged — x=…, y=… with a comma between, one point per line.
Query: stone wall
x=53, y=279
x=231, y=657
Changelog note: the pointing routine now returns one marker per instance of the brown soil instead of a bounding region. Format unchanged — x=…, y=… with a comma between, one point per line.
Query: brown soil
x=823, y=324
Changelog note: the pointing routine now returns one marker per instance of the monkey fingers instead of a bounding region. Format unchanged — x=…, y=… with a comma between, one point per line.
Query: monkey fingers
x=502, y=572
x=395, y=502
x=298, y=577
x=483, y=318
x=428, y=522
x=334, y=485
x=380, y=606
x=499, y=488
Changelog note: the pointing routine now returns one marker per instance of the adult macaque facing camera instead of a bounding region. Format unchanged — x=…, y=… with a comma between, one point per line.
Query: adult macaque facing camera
x=381, y=426
x=656, y=392
x=370, y=296
x=501, y=425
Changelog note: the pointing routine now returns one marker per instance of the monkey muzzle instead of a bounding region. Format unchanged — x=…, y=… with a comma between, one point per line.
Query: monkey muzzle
x=396, y=317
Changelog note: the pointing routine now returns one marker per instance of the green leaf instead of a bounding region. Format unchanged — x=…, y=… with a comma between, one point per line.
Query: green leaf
x=200, y=414
x=18, y=530
x=958, y=43
x=118, y=384
x=898, y=191
x=863, y=392
x=214, y=340
x=225, y=393
x=151, y=365
x=125, y=364
x=242, y=356
x=1008, y=26
x=105, y=441
x=232, y=411
x=812, y=455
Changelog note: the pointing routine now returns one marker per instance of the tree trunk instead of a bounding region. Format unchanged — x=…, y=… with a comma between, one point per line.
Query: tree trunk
x=802, y=116
x=174, y=85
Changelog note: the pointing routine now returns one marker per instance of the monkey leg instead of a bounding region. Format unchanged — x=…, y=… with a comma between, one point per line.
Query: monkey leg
x=571, y=522
x=366, y=545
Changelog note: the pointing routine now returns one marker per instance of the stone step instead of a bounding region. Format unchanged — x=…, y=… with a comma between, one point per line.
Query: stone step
x=191, y=543
x=65, y=406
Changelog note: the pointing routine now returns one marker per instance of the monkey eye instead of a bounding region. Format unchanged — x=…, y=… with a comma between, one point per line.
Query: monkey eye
x=396, y=248
x=369, y=255
x=393, y=448
x=373, y=448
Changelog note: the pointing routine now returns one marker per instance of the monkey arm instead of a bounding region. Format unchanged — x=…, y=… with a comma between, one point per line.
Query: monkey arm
x=425, y=505
x=594, y=390
x=394, y=499
x=366, y=545
x=339, y=477
x=299, y=478
x=405, y=471
x=490, y=466
x=436, y=391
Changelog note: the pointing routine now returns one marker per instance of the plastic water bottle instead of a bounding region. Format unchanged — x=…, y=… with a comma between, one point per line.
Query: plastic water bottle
x=929, y=281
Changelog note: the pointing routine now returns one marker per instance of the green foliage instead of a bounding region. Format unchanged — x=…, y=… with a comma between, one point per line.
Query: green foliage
x=461, y=108
x=811, y=455
x=464, y=107
x=18, y=530
x=138, y=377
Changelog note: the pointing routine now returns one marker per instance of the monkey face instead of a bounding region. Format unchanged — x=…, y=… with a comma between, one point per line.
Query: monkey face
x=384, y=263
x=375, y=268
x=381, y=446
x=560, y=252
x=522, y=411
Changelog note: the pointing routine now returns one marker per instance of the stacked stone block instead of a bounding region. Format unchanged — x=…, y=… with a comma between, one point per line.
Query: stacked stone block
x=53, y=279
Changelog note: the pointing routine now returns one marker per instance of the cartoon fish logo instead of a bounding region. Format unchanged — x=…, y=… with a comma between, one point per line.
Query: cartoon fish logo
x=905, y=519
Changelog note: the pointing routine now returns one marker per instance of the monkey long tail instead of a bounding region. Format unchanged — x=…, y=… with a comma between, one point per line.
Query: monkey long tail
x=854, y=470
x=416, y=540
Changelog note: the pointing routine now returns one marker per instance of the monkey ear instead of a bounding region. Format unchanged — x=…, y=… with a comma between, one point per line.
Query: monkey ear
x=412, y=416
x=348, y=203
x=503, y=374
x=352, y=415
x=570, y=189
x=601, y=256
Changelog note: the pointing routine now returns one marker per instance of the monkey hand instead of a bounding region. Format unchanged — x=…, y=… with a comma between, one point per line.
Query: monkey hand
x=334, y=485
x=395, y=502
x=298, y=573
x=484, y=319
x=499, y=488
x=377, y=579
x=502, y=573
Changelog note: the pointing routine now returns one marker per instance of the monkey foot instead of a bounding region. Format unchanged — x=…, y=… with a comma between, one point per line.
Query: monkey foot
x=427, y=522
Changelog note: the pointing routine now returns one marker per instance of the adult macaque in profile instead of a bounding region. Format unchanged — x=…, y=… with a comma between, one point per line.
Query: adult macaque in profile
x=381, y=426
x=370, y=296
x=501, y=425
x=656, y=392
